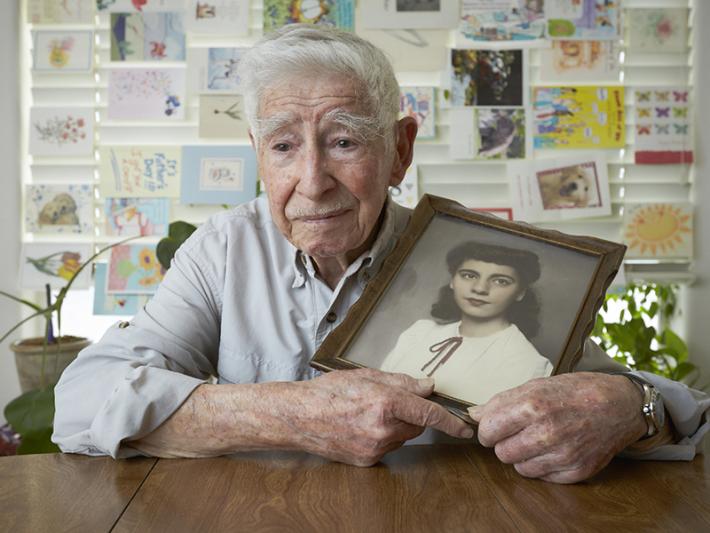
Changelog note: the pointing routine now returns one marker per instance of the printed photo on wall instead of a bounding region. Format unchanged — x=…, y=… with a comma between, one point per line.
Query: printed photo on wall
x=61, y=131
x=518, y=22
x=222, y=117
x=53, y=263
x=142, y=36
x=133, y=269
x=579, y=117
x=218, y=175
x=126, y=217
x=64, y=12
x=486, y=77
x=663, y=126
x=59, y=208
x=210, y=17
x=114, y=304
x=583, y=19
x=410, y=14
x=560, y=189
x=662, y=29
x=62, y=51
x=501, y=133
x=278, y=13
x=146, y=94
x=139, y=171
x=407, y=192
x=419, y=103
x=478, y=303
x=659, y=230
x=576, y=61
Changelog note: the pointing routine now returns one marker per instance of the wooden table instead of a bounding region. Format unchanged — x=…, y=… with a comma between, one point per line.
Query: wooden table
x=439, y=488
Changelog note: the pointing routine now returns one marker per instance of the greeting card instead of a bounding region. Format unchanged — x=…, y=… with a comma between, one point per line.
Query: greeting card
x=113, y=304
x=133, y=269
x=486, y=77
x=62, y=131
x=575, y=61
x=141, y=6
x=583, y=19
x=210, y=17
x=147, y=37
x=560, y=188
x=663, y=125
x=136, y=216
x=516, y=21
x=218, y=175
x=144, y=94
x=62, y=51
x=278, y=13
x=59, y=208
x=658, y=29
x=501, y=133
x=418, y=102
x=64, y=12
x=222, y=117
x=54, y=263
x=410, y=14
x=660, y=230
x=139, y=171
x=579, y=117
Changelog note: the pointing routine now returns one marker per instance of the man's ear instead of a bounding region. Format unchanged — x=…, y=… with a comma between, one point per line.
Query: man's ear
x=404, y=149
x=251, y=140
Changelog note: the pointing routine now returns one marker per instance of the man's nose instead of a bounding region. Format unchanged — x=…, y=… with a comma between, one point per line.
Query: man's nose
x=314, y=178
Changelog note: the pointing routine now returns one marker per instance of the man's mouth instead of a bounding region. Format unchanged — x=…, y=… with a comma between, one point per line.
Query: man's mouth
x=321, y=217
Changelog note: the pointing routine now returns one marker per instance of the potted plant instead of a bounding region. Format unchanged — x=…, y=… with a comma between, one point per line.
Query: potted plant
x=41, y=360
x=178, y=233
x=637, y=331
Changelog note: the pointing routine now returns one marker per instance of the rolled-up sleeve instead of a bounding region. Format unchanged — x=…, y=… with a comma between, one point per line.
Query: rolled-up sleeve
x=689, y=409
x=140, y=372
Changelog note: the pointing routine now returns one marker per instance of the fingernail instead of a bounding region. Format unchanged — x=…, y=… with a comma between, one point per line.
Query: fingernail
x=466, y=433
x=475, y=412
x=426, y=383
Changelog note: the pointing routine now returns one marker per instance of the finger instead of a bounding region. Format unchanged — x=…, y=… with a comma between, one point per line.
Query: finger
x=421, y=387
x=502, y=419
x=540, y=466
x=531, y=442
x=425, y=413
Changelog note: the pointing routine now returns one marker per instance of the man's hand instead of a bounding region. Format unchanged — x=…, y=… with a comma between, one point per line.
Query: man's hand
x=563, y=428
x=357, y=416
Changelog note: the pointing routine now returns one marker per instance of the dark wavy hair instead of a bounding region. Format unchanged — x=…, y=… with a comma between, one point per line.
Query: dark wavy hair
x=524, y=313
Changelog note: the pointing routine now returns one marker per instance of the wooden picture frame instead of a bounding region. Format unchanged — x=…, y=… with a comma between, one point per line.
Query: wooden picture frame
x=395, y=325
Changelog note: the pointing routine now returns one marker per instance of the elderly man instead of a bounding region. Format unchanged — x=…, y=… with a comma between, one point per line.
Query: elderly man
x=255, y=290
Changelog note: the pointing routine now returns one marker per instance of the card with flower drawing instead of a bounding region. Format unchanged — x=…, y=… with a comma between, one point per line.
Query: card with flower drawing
x=53, y=263
x=146, y=94
x=133, y=269
x=114, y=304
x=147, y=37
x=61, y=131
x=62, y=51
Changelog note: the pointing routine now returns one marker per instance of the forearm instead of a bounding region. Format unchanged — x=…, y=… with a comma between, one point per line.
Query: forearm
x=221, y=419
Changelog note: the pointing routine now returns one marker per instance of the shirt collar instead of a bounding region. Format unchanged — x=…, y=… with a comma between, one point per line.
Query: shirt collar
x=395, y=220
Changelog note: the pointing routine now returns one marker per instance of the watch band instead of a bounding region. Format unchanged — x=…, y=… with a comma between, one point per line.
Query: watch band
x=652, y=404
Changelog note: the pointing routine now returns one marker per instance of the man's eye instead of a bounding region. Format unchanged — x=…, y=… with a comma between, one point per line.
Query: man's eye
x=344, y=143
x=281, y=147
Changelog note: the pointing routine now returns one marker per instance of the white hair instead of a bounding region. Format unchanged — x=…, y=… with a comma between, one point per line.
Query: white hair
x=307, y=50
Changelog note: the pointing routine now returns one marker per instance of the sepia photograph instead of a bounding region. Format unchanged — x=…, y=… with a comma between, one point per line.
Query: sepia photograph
x=478, y=303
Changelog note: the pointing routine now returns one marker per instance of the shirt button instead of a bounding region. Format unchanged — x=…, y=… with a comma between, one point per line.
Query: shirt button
x=331, y=317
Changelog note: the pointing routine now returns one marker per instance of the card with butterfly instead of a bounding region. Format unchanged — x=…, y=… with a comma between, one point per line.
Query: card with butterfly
x=663, y=126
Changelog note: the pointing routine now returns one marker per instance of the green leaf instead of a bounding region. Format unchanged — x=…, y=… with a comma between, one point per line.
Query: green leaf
x=31, y=412
x=683, y=370
x=180, y=230
x=37, y=442
x=675, y=345
x=165, y=251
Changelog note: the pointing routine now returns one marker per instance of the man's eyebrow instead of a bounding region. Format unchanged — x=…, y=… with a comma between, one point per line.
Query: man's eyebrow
x=363, y=127
x=266, y=127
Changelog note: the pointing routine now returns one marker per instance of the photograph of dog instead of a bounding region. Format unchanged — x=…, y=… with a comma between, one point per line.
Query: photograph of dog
x=60, y=210
x=569, y=187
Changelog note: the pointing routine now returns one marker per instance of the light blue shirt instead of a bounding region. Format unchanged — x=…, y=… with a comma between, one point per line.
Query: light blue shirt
x=241, y=304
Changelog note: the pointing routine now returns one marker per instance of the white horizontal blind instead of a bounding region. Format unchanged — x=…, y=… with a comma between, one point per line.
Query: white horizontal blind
x=479, y=183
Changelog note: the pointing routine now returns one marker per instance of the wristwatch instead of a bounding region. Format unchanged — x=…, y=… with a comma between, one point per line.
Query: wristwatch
x=652, y=408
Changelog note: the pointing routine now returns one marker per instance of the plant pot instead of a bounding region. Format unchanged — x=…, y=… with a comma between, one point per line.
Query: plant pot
x=29, y=354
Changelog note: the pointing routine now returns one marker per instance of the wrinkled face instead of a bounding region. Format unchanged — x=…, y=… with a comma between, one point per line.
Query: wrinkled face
x=485, y=290
x=326, y=187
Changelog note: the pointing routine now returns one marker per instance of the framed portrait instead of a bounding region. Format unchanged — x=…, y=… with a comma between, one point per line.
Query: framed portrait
x=479, y=303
